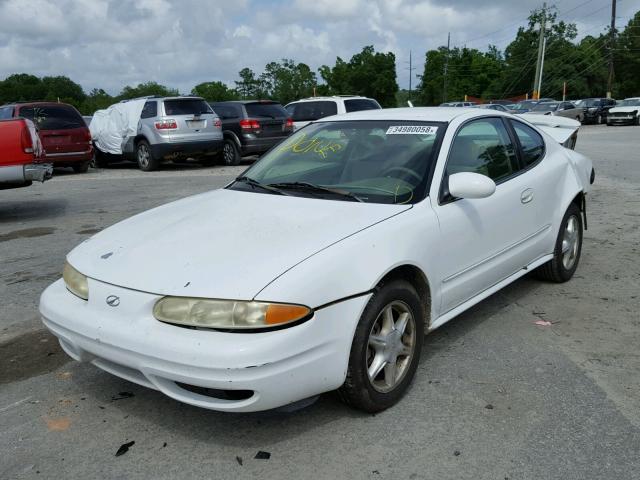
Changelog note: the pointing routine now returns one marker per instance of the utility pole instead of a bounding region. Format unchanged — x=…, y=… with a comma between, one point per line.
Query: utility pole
x=612, y=40
x=544, y=48
x=536, y=81
x=411, y=69
x=446, y=66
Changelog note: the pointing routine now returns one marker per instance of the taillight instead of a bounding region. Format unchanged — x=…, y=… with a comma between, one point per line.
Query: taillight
x=217, y=123
x=250, y=125
x=289, y=124
x=25, y=139
x=166, y=125
x=87, y=135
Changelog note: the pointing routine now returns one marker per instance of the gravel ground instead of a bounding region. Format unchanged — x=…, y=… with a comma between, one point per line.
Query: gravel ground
x=495, y=397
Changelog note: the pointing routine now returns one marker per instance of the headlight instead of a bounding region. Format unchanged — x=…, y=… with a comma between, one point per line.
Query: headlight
x=75, y=281
x=227, y=314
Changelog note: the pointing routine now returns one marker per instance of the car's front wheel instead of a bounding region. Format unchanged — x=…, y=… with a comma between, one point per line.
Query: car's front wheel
x=146, y=161
x=386, y=348
x=567, y=250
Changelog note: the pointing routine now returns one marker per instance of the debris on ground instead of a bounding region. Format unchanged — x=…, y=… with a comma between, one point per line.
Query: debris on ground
x=488, y=406
x=122, y=395
x=124, y=448
x=239, y=460
x=262, y=455
x=456, y=453
x=542, y=323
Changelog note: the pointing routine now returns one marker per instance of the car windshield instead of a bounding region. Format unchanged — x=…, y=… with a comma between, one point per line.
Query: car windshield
x=368, y=161
x=545, y=107
x=527, y=104
x=53, y=117
x=186, y=106
x=629, y=102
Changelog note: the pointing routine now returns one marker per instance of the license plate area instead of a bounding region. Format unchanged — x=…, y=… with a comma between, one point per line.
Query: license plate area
x=195, y=123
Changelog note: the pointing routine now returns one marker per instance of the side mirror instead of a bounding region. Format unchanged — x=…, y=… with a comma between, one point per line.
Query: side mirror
x=471, y=185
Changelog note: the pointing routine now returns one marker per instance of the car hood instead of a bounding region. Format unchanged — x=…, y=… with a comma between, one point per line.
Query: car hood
x=633, y=108
x=221, y=244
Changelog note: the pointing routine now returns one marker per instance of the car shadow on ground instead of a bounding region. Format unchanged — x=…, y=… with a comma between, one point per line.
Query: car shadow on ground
x=263, y=428
x=27, y=210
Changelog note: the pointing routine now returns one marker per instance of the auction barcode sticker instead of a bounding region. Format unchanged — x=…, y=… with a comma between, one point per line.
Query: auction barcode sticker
x=411, y=130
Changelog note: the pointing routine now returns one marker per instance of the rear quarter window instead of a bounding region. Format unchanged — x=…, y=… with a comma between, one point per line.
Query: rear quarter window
x=360, y=104
x=310, y=111
x=53, y=117
x=271, y=110
x=531, y=143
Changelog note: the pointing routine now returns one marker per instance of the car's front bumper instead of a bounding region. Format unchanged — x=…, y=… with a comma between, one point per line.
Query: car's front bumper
x=278, y=367
x=626, y=120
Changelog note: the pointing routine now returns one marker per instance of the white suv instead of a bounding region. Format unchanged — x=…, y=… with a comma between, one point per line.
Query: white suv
x=310, y=109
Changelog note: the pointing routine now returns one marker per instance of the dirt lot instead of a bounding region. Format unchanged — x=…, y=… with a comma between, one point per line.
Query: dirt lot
x=495, y=396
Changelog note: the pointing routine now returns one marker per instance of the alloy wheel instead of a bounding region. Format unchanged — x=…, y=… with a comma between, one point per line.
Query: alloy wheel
x=228, y=153
x=570, y=242
x=143, y=155
x=391, y=346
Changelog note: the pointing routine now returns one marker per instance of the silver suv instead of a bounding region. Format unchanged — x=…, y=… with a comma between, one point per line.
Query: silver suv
x=171, y=128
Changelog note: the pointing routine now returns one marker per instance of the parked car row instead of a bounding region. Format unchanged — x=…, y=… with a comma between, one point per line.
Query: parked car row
x=586, y=111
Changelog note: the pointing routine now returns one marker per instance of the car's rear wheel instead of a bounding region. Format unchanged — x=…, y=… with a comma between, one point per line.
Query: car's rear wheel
x=100, y=159
x=567, y=250
x=146, y=161
x=230, y=153
x=386, y=348
x=81, y=167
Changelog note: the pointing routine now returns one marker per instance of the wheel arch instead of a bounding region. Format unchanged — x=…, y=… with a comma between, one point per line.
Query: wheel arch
x=229, y=135
x=416, y=277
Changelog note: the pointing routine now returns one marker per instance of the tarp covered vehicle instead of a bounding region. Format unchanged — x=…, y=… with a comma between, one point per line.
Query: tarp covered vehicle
x=151, y=130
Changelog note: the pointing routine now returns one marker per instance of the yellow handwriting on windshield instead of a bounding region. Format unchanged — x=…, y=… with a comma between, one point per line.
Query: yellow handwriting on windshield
x=302, y=145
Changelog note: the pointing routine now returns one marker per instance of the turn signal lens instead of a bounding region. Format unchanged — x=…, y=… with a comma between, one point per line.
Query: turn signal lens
x=75, y=281
x=226, y=314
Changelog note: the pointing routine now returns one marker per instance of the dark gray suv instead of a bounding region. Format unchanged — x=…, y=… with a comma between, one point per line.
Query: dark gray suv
x=251, y=127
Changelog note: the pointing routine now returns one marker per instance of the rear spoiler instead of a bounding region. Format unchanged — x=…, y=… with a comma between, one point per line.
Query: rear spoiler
x=563, y=130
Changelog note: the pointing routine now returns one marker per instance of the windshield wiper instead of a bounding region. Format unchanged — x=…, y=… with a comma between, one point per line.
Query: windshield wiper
x=312, y=187
x=256, y=184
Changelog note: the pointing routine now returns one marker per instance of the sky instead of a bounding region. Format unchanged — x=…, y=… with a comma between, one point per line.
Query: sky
x=179, y=43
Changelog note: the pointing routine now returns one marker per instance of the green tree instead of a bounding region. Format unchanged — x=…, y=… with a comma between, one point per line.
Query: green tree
x=21, y=87
x=62, y=89
x=368, y=73
x=627, y=60
x=97, y=99
x=249, y=85
x=146, y=89
x=288, y=81
x=215, y=91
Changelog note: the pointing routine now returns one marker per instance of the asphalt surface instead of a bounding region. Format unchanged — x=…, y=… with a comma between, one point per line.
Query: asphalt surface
x=495, y=396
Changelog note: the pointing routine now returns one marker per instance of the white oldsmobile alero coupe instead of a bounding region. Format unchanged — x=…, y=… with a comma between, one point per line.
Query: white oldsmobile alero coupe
x=326, y=262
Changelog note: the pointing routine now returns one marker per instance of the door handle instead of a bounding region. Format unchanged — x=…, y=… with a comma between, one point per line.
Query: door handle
x=526, y=196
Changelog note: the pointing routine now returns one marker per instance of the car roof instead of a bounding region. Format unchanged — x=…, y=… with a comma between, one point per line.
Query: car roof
x=245, y=102
x=27, y=104
x=330, y=97
x=423, y=114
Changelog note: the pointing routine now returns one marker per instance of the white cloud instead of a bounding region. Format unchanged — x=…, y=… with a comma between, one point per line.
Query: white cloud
x=113, y=43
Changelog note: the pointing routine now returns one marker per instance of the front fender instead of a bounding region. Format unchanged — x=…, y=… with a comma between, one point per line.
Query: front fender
x=356, y=264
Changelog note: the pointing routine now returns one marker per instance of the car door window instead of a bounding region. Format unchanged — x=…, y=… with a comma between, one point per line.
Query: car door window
x=531, y=143
x=483, y=146
x=149, y=110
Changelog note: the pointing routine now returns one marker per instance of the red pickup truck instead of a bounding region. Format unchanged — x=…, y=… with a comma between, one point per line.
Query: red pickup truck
x=21, y=154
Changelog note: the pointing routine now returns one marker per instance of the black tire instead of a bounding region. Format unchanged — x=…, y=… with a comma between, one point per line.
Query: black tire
x=81, y=167
x=100, y=159
x=557, y=269
x=230, y=153
x=144, y=156
x=358, y=390
x=637, y=121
